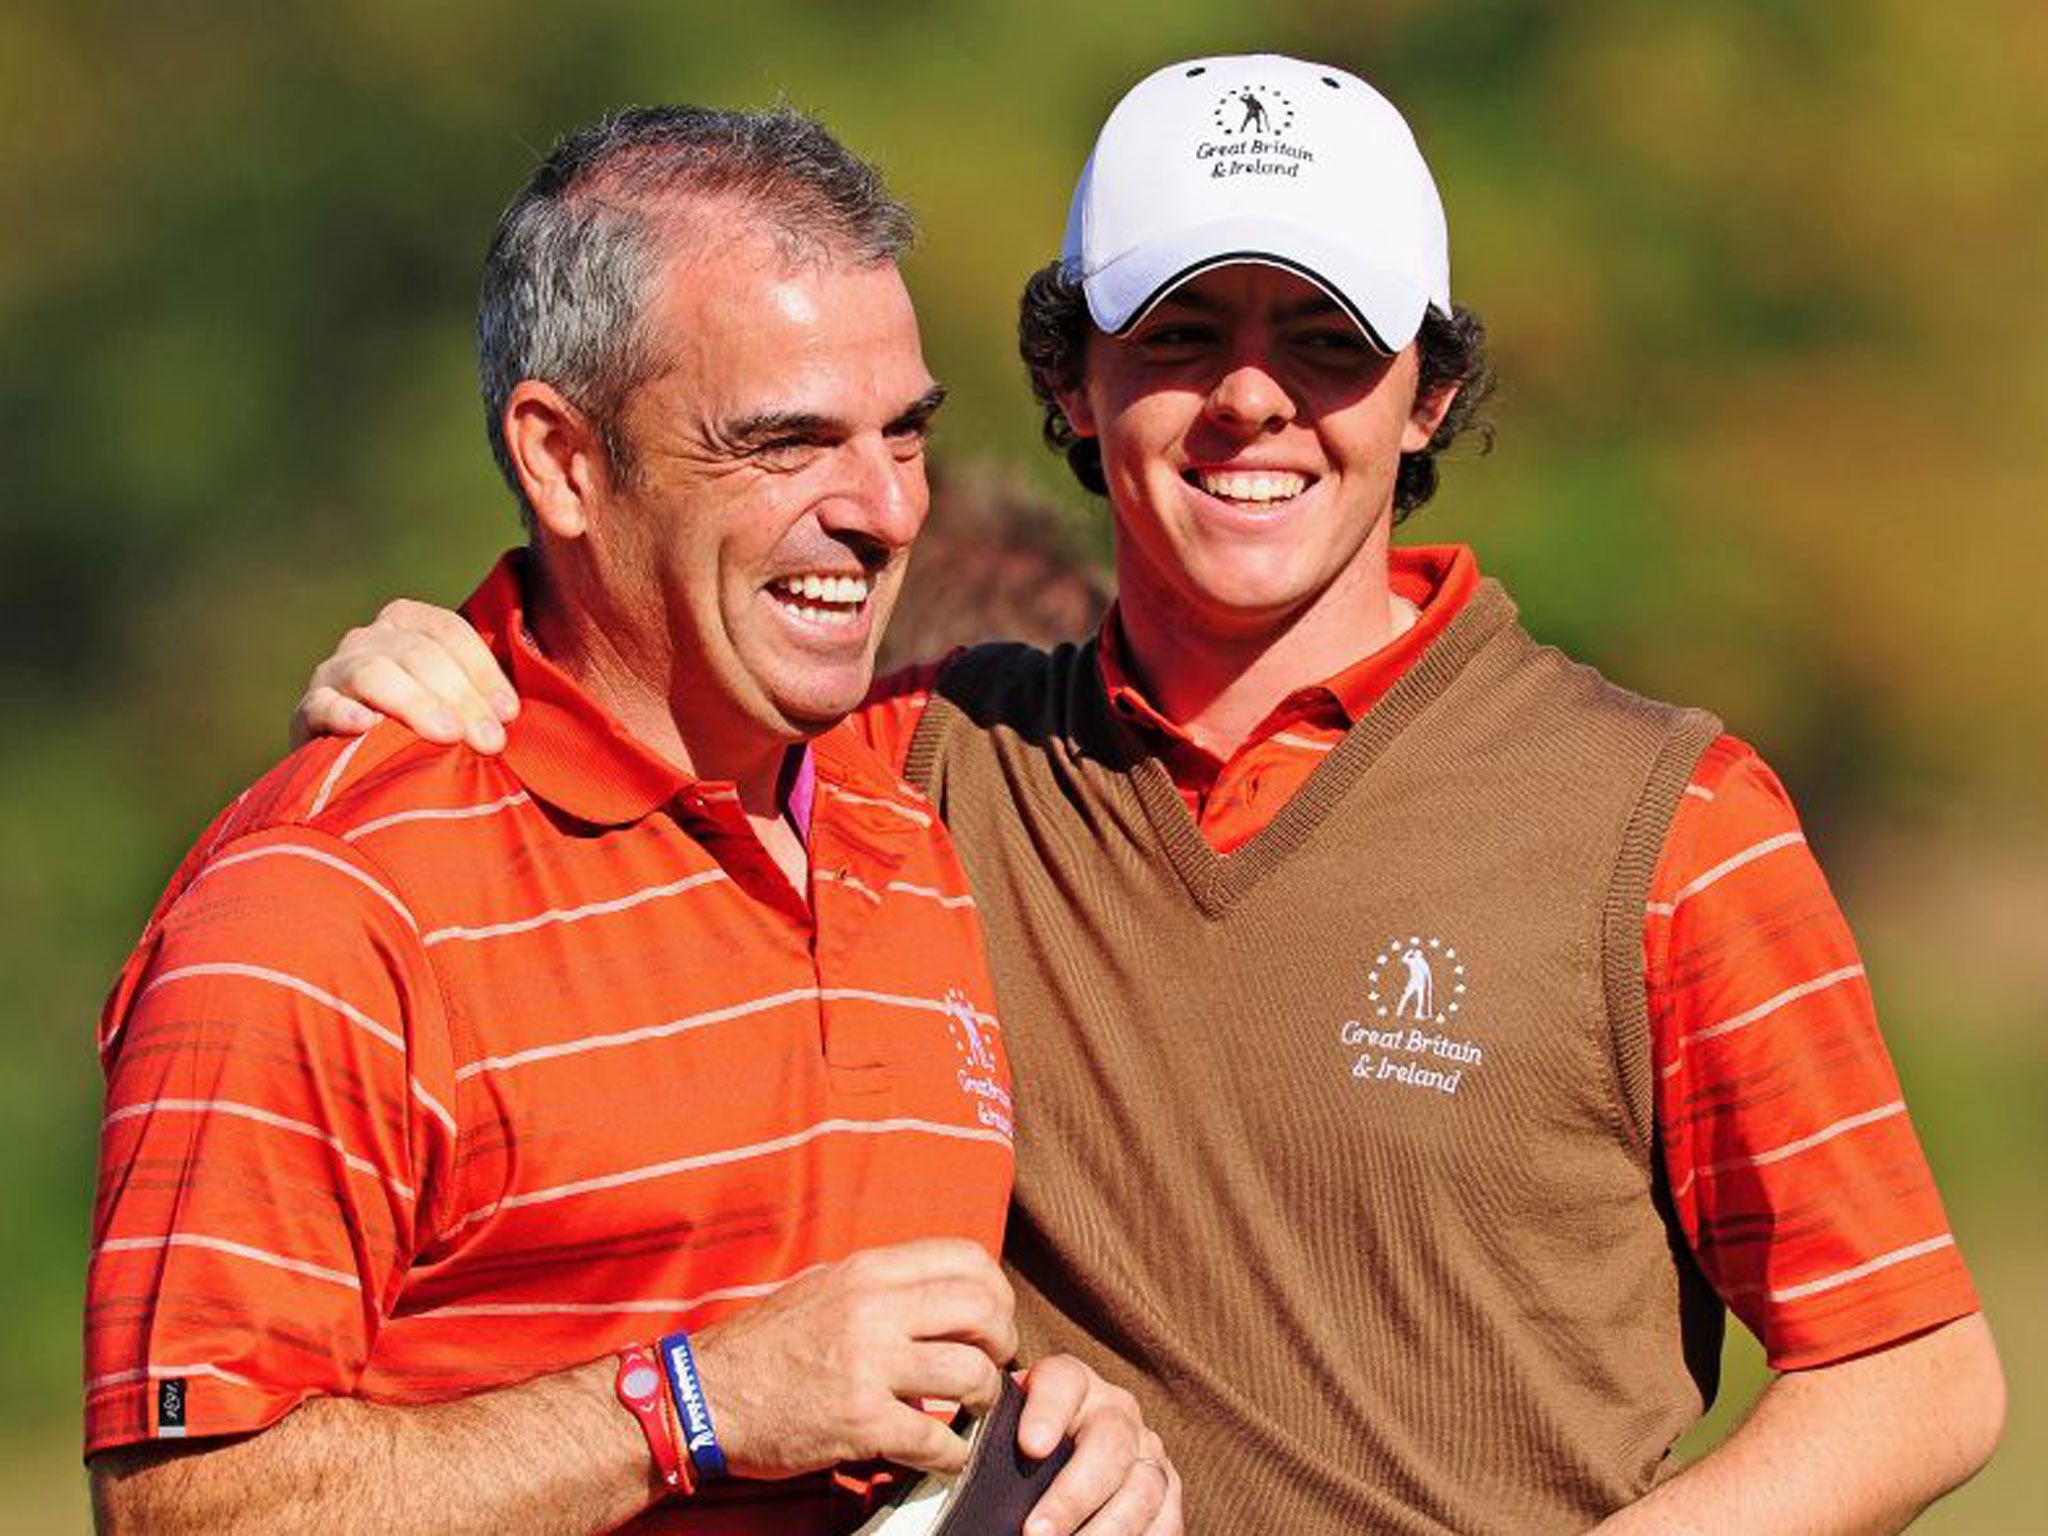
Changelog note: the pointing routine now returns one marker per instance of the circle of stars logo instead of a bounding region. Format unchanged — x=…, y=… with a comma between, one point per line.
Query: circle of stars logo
x=1252, y=110
x=1416, y=978
x=968, y=1031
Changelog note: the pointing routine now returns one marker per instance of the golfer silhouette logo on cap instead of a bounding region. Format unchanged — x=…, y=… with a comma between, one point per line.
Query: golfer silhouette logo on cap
x=1254, y=112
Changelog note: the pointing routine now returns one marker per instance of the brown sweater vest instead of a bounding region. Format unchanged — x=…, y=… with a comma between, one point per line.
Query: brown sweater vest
x=1340, y=1148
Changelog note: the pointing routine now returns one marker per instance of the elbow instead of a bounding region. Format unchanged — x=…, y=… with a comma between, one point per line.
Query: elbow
x=1976, y=1400
x=1990, y=1416
x=133, y=1493
x=117, y=1510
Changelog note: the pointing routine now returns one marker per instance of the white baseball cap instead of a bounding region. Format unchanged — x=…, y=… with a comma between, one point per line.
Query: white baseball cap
x=1267, y=159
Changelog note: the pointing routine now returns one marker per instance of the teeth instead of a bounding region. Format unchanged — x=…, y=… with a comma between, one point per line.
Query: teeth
x=850, y=591
x=827, y=616
x=1253, y=485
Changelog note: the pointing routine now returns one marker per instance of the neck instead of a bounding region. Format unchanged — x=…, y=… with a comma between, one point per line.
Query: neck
x=1219, y=681
x=621, y=662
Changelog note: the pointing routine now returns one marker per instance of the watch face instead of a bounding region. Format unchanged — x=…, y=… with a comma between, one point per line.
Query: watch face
x=640, y=1382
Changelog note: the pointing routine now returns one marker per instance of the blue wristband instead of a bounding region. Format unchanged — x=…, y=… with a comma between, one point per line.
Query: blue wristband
x=692, y=1412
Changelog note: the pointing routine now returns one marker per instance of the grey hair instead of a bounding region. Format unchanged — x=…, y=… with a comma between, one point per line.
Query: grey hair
x=570, y=265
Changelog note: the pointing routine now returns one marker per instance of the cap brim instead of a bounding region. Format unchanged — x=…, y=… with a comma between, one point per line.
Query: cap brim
x=1386, y=305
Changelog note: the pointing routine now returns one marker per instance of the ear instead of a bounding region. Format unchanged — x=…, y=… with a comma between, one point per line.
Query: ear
x=1073, y=405
x=557, y=454
x=1427, y=416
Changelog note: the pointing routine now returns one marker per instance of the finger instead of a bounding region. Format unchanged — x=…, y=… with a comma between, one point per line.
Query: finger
x=465, y=647
x=324, y=712
x=445, y=683
x=1147, y=1502
x=935, y=1290
x=911, y=1438
x=384, y=685
x=960, y=1373
x=1118, y=1480
x=1167, y=1520
x=926, y=1258
x=1171, y=1519
x=968, y=1310
x=435, y=668
x=1103, y=1479
x=1054, y=1390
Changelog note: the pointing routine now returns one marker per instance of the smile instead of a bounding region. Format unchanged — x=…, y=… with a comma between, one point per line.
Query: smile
x=1256, y=486
x=822, y=599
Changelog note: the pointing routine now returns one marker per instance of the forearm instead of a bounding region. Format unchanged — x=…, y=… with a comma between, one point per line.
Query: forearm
x=556, y=1454
x=1844, y=1450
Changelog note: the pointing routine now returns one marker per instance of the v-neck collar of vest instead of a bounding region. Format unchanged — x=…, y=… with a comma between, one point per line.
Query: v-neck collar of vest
x=1218, y=881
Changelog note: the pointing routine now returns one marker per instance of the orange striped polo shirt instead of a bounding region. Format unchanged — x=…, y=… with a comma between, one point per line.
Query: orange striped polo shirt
x=434, y=1072
x=1794, y=1168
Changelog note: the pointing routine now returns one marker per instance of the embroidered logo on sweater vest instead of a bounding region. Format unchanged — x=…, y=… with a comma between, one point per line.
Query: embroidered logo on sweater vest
x=1415, y=988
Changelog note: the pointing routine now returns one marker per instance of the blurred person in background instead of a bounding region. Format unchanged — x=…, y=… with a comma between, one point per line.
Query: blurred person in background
x=1423, y=1043
x=442, y=1086
x=993, y=561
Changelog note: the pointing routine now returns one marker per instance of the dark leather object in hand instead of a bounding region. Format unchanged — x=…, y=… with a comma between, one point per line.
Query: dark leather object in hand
x=991, y=1497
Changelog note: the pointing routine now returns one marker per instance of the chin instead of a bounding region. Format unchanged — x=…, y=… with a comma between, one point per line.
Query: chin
x=815, y=711
x=1252, y=597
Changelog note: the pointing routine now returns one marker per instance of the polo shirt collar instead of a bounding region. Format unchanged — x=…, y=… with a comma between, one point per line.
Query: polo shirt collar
x=1437, y=578
x=564, y=746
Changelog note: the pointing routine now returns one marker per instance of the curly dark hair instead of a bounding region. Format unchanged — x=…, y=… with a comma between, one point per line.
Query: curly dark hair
x=1052, y=338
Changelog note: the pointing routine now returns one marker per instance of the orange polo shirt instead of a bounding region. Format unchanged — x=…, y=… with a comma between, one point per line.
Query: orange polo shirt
x=1793, y=1166
x=435, y=1072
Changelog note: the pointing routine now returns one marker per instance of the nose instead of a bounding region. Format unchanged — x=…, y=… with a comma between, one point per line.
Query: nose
x=880, y=498
x=1250, y=397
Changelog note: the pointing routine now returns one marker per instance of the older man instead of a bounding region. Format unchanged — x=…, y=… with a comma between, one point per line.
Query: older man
x=617, y=1130
x=1425, y=1042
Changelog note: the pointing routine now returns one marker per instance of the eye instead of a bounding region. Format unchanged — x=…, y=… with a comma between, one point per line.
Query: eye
x=1341, y=341
x=1174, y=336
x=784, y=455
x=908, y=442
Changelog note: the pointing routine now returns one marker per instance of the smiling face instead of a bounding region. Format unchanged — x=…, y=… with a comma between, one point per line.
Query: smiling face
x=753, y=547
x=1250, y=439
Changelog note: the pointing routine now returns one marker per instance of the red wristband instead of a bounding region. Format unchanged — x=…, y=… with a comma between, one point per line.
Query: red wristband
x=644, y=1391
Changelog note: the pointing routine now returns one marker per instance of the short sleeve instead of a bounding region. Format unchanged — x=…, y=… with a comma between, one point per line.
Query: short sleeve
x=277, y=1129
x=1794, y=1168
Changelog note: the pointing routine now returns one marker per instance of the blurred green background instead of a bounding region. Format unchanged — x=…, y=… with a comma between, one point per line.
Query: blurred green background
x=1764, y=279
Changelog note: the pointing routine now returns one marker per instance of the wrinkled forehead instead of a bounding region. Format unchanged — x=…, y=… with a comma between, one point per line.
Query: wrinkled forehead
x=738, y=331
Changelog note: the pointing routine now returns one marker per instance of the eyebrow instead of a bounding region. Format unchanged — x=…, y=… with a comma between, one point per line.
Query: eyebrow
x=764, y=427
x=771, y=426
x=917, y=416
